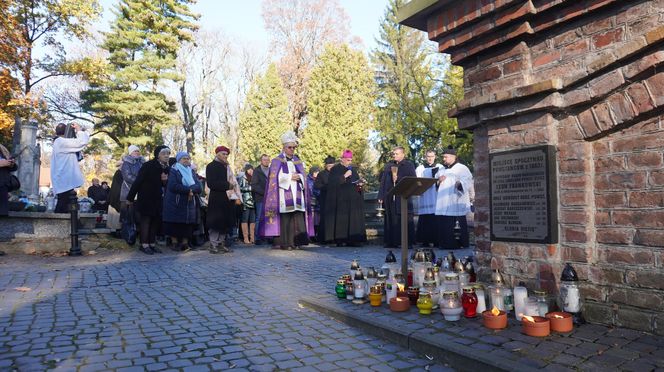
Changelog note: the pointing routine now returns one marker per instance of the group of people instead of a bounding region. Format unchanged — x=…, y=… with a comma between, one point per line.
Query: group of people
x=325, y=205
x=441, y=209
x=276, y=202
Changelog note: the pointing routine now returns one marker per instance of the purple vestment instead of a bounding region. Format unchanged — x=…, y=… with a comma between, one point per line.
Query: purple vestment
x=270, y=224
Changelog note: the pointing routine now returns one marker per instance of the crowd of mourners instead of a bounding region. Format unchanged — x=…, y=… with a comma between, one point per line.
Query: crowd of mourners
x=166, y=201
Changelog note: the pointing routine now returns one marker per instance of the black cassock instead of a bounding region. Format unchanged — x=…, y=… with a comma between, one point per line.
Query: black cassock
x=344, y=207
x=392, y=205
x=321, y=185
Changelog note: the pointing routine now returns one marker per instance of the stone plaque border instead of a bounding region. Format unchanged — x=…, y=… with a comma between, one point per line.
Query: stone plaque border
x=551, y=192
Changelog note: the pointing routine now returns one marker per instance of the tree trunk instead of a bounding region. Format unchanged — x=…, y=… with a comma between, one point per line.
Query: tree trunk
x=188, y=122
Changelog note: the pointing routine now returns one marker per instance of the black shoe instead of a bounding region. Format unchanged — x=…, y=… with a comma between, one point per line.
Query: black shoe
x=156, y=249
x=146, y=250
x=2, y=253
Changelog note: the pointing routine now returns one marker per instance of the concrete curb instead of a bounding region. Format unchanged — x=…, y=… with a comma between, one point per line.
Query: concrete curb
x=458, y=356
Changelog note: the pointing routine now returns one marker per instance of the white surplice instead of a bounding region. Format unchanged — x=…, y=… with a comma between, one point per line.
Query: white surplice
x=426, y=203
x=450, y=201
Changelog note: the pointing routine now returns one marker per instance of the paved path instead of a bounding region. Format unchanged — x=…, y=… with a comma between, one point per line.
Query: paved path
x=126, y=311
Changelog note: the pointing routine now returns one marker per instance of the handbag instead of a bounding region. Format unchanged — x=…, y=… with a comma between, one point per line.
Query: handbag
x=13, y=184
x=128, y=230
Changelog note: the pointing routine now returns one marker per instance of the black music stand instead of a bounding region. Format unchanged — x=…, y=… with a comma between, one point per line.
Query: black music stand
x=407, y=187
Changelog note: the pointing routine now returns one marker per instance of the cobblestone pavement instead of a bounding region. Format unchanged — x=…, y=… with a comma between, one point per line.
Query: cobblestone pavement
x=125, y=311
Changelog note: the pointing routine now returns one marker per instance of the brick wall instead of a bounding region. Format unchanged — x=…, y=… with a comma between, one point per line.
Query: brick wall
x=588, y=77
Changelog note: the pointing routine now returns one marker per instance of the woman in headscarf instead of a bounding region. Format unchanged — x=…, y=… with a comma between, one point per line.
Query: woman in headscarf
x=131, y=164
x=180, y=207
x=149, y=185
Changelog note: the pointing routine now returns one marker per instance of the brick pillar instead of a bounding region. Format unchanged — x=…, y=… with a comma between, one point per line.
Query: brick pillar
x=586, y=77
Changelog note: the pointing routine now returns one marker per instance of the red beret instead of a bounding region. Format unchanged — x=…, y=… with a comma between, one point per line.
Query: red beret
x=222, y=148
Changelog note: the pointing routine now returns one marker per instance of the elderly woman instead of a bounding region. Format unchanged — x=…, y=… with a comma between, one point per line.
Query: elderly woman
x=149, y=185
x=131, y=164
x=222, y=200
x=180, y=207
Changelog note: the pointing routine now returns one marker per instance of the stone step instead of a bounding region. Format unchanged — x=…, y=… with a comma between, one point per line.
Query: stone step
x=411, y=335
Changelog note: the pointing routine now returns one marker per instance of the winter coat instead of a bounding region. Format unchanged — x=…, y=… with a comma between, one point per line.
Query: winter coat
x=221, y=214
x=116, y=187
x=247, y=195
x=149, y=187
x=178, y=206
x=129, y=169
x=5, y=172
x=258, y=184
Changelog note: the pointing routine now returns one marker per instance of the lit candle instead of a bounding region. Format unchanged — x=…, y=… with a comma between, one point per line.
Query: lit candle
x=481, y=299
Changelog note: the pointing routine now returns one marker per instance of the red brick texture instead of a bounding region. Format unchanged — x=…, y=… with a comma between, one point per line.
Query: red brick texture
x=585, y=76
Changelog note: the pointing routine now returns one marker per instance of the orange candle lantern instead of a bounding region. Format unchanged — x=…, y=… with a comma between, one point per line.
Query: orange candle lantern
x=535, y=326
x=399, y=304
x=494, y=318
x=560, y=321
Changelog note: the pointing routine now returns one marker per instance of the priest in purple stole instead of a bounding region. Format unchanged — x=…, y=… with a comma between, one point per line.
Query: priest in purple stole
x=286, y=214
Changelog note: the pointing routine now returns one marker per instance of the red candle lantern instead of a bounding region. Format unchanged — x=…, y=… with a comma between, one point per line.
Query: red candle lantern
x=469, y=302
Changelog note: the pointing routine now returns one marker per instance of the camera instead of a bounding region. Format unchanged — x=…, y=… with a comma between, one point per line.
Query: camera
x=69, y=131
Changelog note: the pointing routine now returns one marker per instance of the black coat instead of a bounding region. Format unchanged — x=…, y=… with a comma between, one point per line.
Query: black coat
x=221, y=211
x=98, y=194
x=344, y=207
x=4, y=183
x=321, y=185
x=150, y=188
x=404, y=169
x=258, y=185
x=116, y=187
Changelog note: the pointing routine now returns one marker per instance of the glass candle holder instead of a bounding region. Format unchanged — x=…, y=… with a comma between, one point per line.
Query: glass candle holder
x=469, y=302
x=424, y=303
x=451, y=282
x=542, y=302
x=496, y=297
x=413, y=294
x=450, y=306
x=340, y=289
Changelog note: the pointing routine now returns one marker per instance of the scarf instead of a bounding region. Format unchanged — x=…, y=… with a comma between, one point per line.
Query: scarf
x=187, y=176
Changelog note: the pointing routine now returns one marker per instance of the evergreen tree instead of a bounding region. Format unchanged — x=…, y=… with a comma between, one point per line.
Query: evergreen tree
x=29, y=25
x=264, y=118
x=142, y=45
x=341, y=102
x=417, y=87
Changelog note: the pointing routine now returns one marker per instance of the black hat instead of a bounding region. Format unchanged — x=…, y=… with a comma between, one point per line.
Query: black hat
x=158, y=149
x=449, y=151
x=314, y=169
x=329, y=160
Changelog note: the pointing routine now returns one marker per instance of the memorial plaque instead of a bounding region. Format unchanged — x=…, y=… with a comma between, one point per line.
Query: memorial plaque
x=523, y=195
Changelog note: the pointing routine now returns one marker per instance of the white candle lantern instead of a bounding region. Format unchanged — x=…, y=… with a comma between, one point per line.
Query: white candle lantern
x=450, y=306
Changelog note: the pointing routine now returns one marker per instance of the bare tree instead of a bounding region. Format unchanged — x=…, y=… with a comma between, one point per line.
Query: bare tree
x=217, y=74
x=300, y=29
x=203, y=65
